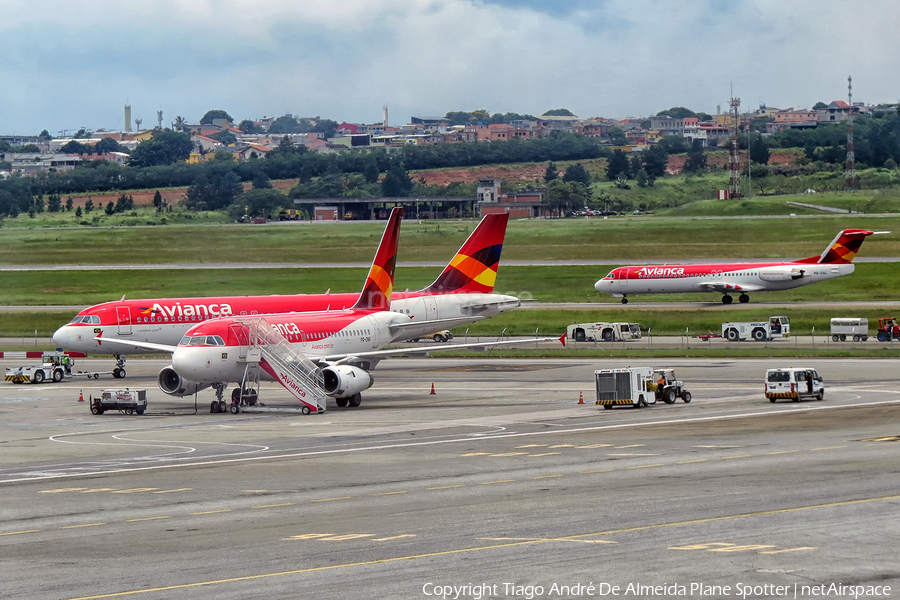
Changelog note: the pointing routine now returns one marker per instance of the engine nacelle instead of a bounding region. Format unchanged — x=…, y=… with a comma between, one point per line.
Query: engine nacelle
x=173, y=384
x=343, y=380
x=786, y=273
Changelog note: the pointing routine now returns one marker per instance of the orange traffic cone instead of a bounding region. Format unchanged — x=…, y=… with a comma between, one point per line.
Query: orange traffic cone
x=80, y=396
x=580, y=398
x=432, y=388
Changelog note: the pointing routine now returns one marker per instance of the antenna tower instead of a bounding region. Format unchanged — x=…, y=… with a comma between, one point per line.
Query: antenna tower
x=734, y=156
x=159, y=118
x=850, y=181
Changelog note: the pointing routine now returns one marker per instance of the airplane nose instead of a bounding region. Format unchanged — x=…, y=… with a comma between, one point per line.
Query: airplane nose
x=600, y=285
x=62, y=336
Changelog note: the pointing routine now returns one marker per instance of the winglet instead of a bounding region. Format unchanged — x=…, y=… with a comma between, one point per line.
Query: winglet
x=474, y=267
x=562, y=340
x=376, y=294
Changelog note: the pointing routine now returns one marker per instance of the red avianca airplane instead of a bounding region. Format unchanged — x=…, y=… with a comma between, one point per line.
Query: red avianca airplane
x=312, y=354
x=734, y=278
x=462, y=294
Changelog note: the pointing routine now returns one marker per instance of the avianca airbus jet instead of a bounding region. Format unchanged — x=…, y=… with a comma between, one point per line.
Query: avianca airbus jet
x=296, y=349
x=462, y=294
x=736, y=278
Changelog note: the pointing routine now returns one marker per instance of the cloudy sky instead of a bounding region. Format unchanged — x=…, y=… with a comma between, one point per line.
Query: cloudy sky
x=71, y=64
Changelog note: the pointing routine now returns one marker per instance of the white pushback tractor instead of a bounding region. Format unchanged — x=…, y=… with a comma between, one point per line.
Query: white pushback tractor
x=761, y=331
x=633, y=386
x=603, y=332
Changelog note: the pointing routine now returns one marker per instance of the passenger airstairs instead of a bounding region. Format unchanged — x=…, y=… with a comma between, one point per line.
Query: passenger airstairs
x=264, y=347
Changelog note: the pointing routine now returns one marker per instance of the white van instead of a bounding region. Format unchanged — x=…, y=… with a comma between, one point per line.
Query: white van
x=796, y=383
x=856, y=327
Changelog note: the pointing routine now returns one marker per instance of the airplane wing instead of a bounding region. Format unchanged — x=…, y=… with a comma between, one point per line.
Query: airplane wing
x=724, y=286
x=150, y=346
x=414, y=329
x=480, y=306
x=337, y=359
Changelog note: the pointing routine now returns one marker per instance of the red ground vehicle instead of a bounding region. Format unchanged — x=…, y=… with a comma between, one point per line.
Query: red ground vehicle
x=888, y=329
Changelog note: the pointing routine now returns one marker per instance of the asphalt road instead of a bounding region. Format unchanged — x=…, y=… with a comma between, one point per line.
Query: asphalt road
x=500, y=478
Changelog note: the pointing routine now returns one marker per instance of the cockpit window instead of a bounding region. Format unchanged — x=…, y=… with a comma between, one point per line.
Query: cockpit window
x=612, y=275
x=202, y=340
x=88, y=319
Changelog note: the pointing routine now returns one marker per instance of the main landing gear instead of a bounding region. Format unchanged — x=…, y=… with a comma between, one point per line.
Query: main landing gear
x=624, y=299
x=743, y=299
x=353, y=401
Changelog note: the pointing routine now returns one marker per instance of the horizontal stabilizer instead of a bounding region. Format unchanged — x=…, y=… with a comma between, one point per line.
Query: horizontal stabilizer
x=337, y=359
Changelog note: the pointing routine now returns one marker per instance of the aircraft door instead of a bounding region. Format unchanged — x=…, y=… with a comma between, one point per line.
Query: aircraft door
x=241, y=335
x=431, y=308
x=123, y=314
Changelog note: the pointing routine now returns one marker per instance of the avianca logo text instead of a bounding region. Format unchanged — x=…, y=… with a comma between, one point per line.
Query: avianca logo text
x=193, y=310
x=287, y=381
x=660, y=271
x=287, y=329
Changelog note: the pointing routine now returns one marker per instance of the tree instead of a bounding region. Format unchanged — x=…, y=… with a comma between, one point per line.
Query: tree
x=74, y=147
x=617, y=136
x=124, y=202
x=157, y=201
x=45, y=135
x=225, y=136
x=566, y=196
x=617, y=165
x=54, y=203
x=78, y=213
x=213, y=191
x=696, y=160
x=110, y=208
x=215, y=114
x=396, y=182
x=578, y=173
x=819, y=106
x=675, y=144
x=179, y=124
x=258, y=203
x=107, y=145
x=261, y=182
x=656, y=162
x=88, y=205
x=551, y=173
x=642, y=178
x=559, y=112
x=69, y=203
x=164, y=148
x=284, y=124
x=677, y=112
x=759, y=151
x=248, y=126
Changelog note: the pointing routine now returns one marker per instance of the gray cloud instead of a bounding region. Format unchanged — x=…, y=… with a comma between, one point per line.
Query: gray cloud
x=68, y=65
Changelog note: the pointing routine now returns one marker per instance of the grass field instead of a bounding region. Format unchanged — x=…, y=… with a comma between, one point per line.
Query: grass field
x=871, y=281
x=628, y=238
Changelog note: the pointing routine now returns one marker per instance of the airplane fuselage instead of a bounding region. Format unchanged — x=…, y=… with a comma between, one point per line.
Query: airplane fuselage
x=165, y=321
x=723, y=278
x=203, y=358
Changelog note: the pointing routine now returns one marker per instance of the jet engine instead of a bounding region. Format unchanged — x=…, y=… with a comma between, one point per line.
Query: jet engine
x=343, y=380
x=174, y=384
x=786, y=273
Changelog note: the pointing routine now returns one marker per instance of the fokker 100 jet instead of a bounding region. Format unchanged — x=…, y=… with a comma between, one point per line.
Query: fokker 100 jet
x=736, y=278
x=462, y=294
x=313, y=355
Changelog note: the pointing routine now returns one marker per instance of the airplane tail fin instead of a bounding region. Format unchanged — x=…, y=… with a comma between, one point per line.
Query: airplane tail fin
x=843, y=248
x=474, y=268
x=376, y=294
